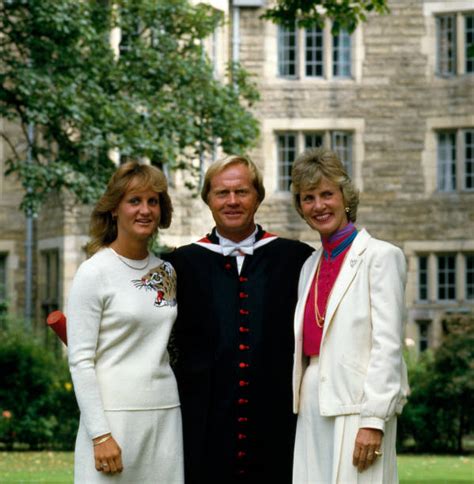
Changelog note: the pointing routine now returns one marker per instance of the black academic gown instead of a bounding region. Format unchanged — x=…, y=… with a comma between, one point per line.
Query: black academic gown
x=234, y=344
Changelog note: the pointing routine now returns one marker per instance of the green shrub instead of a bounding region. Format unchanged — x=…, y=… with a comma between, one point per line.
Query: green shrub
x=439, y=411
x=37, y=402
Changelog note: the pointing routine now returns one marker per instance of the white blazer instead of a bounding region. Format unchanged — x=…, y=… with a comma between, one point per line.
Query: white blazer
x=361, y=368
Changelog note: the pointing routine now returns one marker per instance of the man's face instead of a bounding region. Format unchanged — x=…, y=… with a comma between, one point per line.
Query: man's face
x=233, y=201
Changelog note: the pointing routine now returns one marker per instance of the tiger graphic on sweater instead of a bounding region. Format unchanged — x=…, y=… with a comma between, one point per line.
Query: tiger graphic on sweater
x=161, y=279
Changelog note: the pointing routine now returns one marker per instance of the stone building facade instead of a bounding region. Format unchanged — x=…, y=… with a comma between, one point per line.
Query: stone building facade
x=395, y=99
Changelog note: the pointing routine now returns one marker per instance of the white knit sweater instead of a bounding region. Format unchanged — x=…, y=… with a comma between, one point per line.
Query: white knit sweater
x=118, y=324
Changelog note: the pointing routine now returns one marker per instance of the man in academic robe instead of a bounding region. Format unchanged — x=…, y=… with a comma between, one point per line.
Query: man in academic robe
x=237, y=291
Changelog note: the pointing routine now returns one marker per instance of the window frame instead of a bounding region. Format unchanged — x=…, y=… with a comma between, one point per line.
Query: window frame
x=345, y=152
x=315, y=33
x=446, y=47
x=467, y=158
x=329, y=52
x=450, y=276
x=51, y=280
x=446, y=155
x=423, y=278
x=424, y=334
x=317, y=139
x=469, y=276
x=283, y=49
x=461, y=11
x=468, y=37
x=301, y=138
x=284, y=166
x=340, y=54
x=3, y=282
x=454, y=160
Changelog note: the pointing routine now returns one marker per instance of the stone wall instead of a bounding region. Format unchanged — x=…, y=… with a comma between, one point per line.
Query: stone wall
x=12, y=229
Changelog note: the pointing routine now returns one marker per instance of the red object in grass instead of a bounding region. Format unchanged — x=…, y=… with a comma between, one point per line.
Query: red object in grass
x=57, y=322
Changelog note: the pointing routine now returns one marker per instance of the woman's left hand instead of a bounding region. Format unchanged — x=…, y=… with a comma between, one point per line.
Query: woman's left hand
x=367, y=443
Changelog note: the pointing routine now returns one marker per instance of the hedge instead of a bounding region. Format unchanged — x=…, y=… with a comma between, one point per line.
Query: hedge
x=37, y=403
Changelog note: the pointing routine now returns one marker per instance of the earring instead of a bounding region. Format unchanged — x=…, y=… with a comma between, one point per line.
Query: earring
x=347, y=209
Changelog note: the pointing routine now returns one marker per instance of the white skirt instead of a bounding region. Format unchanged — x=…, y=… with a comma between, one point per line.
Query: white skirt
x=152, y=449
x=324, y=445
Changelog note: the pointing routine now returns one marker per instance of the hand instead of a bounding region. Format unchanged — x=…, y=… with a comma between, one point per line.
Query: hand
x=367, y=442
x=108, y=456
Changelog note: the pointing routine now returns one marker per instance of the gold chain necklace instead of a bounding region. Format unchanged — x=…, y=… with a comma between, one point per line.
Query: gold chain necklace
x=320, y=318
x=147, y=260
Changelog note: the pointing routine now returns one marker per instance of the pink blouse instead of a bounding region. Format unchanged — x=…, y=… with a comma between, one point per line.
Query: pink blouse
x=334, y=251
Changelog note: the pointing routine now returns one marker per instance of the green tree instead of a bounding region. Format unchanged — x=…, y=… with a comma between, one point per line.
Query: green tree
x=453, y=377
x=439, y=410
x=158, y=99
x=344, y=13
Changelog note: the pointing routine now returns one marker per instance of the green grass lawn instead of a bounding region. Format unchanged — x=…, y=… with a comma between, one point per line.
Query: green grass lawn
x=49, y=467
x=435, y=469
x=56, y=467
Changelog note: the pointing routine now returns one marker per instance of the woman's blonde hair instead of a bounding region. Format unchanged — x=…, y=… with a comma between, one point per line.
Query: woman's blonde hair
x=314, y=164
x=103, y=226
x=220, y=165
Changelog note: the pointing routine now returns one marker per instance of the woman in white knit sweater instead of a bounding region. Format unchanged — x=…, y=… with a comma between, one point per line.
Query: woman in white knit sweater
x=121, y=309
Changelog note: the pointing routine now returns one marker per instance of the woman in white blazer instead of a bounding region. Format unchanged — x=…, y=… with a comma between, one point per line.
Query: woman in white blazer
x=349, y=377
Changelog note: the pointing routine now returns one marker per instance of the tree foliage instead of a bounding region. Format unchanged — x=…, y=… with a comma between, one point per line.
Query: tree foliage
x=37, y=403
x=454, y=376
x=158, y=99
x=345, y=14
x=439, y=410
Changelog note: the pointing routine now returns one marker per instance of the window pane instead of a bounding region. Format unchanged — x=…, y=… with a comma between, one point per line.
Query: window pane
x=286, y=51
x=3, y=278
x=446, y=161
x=50, y=290
x=341, y=54
x=341, y=143
x=470, y=276
x=313, y=140
x=423, y=278
x=469, y=42
x=446, y=44
x=423, y=332
x=314, y=52
x=469, y=159
x=446, y=277
x=286, y=156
